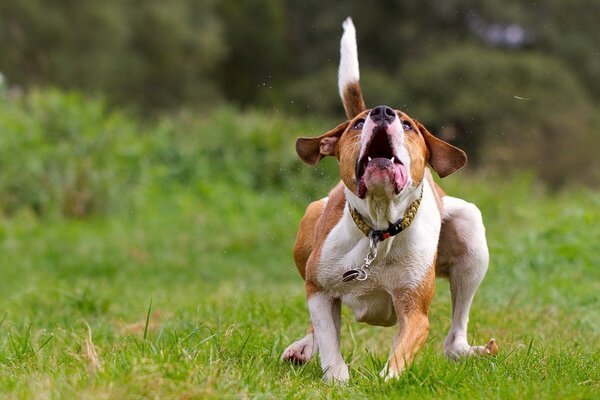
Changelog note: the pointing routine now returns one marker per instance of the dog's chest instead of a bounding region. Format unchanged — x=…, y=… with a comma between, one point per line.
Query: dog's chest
x=401, y=262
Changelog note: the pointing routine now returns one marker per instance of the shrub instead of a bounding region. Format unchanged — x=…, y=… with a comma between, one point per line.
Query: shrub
x=62, y=154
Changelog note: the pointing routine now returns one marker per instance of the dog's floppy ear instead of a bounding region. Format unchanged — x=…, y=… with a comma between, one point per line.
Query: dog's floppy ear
x=443, y=157
x=312, y=150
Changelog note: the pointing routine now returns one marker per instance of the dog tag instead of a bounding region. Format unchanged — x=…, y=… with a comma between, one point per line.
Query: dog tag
x=350, y=274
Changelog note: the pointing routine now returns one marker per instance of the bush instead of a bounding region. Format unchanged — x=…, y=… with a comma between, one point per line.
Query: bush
x=253, y=150
x=61, y=153
x=64, y=155
x=149, y=54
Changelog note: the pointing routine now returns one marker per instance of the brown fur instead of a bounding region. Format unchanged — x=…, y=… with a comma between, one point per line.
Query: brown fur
x=418, y=152
x=347, y=153
x=417, y=147
x=443, y=157
x=312, y=150
x=412, y=309
x=306, y=234
x=353, y=100
x=328, y=218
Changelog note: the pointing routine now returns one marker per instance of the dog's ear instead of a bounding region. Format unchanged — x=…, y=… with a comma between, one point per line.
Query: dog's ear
x=443, y=157
x=312, y=150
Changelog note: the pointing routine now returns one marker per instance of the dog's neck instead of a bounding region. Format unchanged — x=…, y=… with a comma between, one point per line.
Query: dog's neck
x=380, y=209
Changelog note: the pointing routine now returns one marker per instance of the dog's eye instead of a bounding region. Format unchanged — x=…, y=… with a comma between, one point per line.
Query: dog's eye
x=358, y=124
x=406, y=126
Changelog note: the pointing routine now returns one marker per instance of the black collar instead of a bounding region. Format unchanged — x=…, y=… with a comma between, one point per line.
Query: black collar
x=394, y=228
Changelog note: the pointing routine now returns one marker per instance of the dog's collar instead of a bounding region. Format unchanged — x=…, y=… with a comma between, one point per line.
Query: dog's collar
x=393, y=229
x=375, y=236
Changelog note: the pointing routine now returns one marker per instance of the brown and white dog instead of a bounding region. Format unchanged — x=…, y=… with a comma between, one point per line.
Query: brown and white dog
x=383, y=234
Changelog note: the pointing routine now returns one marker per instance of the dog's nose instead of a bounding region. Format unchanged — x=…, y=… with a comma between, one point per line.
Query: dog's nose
x=383, y=114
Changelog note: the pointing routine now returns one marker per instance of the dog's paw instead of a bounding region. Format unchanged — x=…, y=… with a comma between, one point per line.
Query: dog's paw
x=388, y=373
x=336, y=374
x=301, y=351
x=456, y=351
x=492, y=347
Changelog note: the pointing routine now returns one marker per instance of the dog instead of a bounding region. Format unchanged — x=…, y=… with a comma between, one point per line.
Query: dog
x=378, y=241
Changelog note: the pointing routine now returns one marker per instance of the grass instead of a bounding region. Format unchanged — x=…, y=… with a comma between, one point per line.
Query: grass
x=195, y=295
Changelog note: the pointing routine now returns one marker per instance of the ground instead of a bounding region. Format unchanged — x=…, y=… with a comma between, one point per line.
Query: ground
x=196, y=296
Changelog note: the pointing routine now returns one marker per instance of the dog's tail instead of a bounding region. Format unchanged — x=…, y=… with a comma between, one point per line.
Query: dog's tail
x=348, y=74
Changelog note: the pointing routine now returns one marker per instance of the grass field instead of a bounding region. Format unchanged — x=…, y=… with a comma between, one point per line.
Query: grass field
x=195, y=295
x=152, y=259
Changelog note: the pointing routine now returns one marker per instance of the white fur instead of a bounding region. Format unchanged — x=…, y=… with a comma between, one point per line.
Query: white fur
x=402, y=261
x=348, y=71
x=467, y=263
x=325, y=314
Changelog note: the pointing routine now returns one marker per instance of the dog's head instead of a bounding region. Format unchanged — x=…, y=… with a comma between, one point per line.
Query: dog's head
x=381, y=151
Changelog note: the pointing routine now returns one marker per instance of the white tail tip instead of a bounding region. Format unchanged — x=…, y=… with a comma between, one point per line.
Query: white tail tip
x=348, y=72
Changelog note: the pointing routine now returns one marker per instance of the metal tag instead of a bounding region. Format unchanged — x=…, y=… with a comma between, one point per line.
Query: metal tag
x=350, y=275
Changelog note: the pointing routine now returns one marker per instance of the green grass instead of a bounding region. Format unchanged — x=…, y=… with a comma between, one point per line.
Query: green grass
x=195, y=295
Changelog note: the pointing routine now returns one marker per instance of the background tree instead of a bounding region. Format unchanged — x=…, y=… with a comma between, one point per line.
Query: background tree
x=486, y=74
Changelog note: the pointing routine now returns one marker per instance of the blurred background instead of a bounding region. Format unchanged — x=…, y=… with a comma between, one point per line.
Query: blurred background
x=93, y=91
x=150, y=190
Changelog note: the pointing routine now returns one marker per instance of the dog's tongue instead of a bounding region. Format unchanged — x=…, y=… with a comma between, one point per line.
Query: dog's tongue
x=380, y=173
x=401, y=177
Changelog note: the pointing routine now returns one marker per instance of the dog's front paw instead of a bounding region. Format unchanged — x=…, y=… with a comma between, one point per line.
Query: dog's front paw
x=388, y=373
x=336, y=373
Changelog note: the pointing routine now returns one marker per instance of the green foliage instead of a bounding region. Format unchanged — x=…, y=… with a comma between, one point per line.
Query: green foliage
x=430, y=57
x=150, y=53
x=257, y=57
x=507, y=110
x=160, y=54
x=567, y=31
x=63, y=154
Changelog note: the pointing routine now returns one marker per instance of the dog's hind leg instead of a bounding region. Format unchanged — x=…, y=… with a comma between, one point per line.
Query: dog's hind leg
x=462, y=257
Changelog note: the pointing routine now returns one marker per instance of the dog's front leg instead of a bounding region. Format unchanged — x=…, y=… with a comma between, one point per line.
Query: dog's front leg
x=412, y=307
x=325, y=314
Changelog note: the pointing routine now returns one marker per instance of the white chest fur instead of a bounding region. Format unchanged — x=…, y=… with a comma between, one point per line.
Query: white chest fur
x=402, y=261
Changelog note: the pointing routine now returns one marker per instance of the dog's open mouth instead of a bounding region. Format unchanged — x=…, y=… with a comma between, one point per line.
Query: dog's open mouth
x=379, y=167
